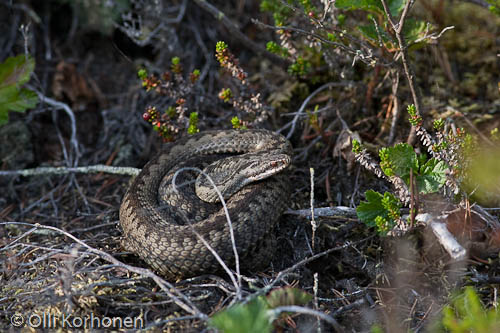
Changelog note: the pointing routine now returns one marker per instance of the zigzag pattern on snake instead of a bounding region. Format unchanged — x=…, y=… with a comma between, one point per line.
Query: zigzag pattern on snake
x=159, y=227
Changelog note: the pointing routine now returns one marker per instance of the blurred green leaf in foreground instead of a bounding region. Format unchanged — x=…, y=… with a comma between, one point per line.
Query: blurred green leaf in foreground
x=15, y=72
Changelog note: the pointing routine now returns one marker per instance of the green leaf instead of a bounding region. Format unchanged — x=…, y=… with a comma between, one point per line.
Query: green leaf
x=370, y=32
x=399, y=160
x=379, y=210
x=252, y=317
x=466, y=313
x=413, y=30
x=367, y=5
x=368, y=210
x=13, y=99
x=287, y=296
x=16, y=70
x=432, y=176
x=494, y=6
x=395, y=6
x=4, y=117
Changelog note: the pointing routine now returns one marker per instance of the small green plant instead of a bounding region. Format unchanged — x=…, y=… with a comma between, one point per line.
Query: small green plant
x=14, y=73
x=238, y=123
x=300, y=67
x=378, y=31
x=375, y=31
x=280, y=12
x=376, y=329
x=243, y=318
x=176, y=66
x=466, y=313
x=458, y=163
x=194, y=76
x=410, y=173
x=415, y=119
x=400, y=162
x=228, y=60
x=193, y=123
x=380, y=211
x=225, y=94
x=257, y=315
x=494, y=6
x=173, y=85
x=243, y=98
x=142, y=74
x=277, y=49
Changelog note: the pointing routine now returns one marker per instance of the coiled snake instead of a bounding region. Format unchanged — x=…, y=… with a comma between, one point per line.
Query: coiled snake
x=161, y=223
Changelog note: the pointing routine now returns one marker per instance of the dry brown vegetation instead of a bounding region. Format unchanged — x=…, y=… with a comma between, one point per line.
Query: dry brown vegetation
x=60, y=249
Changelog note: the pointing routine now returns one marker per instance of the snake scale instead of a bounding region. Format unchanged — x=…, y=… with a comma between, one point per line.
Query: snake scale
x=161, y=226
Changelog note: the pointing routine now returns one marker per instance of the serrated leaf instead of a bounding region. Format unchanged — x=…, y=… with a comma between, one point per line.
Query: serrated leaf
x=287, y=296
x=379, y=210
x=432, y=176
x=14, y=99
x=16, y=70
x=243, y=318
x=367, y=211
x=399, y=161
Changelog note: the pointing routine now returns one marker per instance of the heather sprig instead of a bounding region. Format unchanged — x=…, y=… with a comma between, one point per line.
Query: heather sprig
x=171, y=84
x=229, y=61
x=244, y=100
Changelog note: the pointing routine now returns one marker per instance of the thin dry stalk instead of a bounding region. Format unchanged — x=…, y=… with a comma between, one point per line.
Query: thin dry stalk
x=237, y=284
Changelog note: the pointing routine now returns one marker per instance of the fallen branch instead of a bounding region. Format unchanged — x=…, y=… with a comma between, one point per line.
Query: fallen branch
x=129, y=171
x=339, y=211
x=443, y=235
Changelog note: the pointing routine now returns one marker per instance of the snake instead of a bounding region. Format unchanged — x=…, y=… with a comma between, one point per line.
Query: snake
x=172, y=214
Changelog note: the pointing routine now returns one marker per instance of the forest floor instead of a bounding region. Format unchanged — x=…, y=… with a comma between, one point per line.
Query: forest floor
x=60, y=250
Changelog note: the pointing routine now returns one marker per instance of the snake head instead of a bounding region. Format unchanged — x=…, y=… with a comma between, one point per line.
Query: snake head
x=232, y=173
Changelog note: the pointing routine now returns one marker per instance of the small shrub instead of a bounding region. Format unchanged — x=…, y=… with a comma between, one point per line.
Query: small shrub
x=256, y=315
x=466, y=313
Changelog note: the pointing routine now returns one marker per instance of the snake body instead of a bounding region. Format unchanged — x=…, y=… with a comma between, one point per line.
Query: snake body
x=165, y=229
